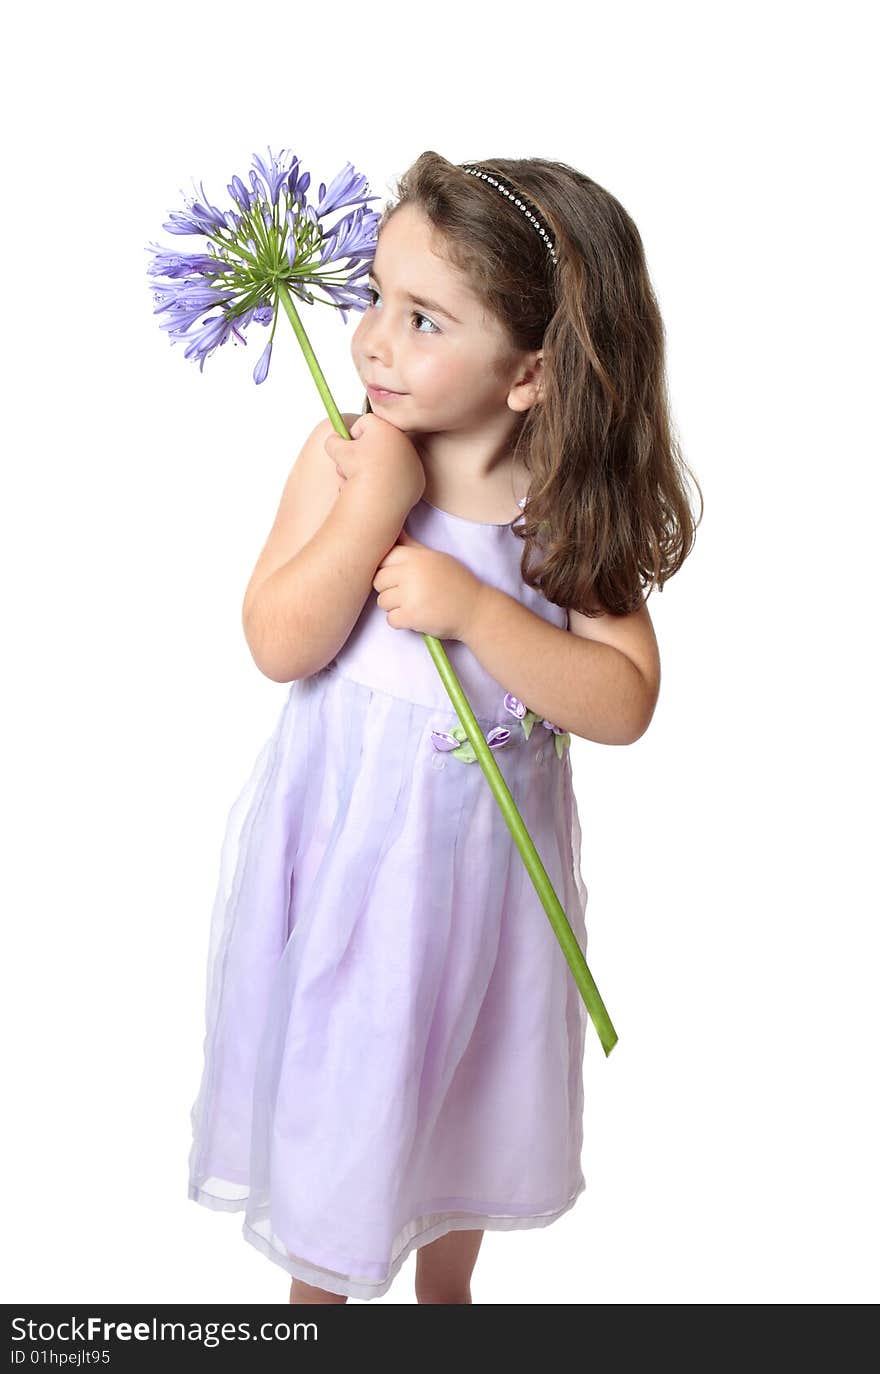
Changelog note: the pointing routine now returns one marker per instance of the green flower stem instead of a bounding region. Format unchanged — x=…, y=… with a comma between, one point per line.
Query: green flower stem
x=524, y=843
x=314, y=367
x=536, y=870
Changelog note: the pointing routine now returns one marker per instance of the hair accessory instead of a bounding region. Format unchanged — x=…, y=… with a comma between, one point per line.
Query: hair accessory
x=512, y=196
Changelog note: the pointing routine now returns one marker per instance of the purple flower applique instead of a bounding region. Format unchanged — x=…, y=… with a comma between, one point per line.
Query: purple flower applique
x=528, y=717
x=458, y=744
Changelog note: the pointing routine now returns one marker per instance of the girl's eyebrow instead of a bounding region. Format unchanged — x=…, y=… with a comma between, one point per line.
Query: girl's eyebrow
x=420, y=300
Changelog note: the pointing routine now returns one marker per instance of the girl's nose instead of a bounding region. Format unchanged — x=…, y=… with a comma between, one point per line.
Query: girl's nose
x=377, y=346
x=376, y=343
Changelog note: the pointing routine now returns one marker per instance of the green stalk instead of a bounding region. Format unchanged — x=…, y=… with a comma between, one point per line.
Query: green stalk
x=536, y=870
x=314, y=366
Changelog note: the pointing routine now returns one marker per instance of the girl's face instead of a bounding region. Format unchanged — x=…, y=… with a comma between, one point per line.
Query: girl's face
x=451, y=360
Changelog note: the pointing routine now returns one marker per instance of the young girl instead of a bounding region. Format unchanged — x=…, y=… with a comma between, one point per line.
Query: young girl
x=394, y=1048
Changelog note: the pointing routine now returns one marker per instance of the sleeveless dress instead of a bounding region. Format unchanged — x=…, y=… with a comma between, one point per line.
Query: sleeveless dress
x=394, y=1041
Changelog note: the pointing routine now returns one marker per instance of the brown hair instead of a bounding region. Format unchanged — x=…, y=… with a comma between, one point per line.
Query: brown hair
x=608, y=508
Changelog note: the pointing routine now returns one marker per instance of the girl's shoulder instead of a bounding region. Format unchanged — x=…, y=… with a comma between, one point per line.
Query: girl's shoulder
x=308, y=496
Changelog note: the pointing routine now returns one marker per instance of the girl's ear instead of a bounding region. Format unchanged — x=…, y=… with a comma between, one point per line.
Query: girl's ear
x=539, y=364
x=530, y=388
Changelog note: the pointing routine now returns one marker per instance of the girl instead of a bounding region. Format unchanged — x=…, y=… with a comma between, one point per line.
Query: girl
x=394, y=1047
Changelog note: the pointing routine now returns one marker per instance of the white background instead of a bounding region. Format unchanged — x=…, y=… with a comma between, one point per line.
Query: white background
x=731, y=1137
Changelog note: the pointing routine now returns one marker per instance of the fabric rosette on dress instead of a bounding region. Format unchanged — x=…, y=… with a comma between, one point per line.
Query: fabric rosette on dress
x=456, y=742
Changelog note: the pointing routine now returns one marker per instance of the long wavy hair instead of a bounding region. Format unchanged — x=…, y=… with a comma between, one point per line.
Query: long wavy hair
x=608, y=510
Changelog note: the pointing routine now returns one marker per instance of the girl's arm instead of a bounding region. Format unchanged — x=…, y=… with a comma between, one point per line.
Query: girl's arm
x=314, y=575
x=602, y=688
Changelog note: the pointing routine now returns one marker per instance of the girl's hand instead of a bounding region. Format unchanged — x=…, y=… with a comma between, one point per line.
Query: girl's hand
x=426, y=591
x=380, y=461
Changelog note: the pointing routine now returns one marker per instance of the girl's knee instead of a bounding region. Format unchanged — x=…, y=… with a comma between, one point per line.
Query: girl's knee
x=427, y=1294
x=444, y=1267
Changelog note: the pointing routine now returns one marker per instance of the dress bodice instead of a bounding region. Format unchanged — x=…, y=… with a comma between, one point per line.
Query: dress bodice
x=397, y=661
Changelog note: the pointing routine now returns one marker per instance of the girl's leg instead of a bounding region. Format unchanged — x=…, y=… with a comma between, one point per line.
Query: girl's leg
x=444, y=1267
x=304, y=1292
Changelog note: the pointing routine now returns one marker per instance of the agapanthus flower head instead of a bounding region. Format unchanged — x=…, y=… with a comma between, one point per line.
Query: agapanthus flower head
x=272, y=240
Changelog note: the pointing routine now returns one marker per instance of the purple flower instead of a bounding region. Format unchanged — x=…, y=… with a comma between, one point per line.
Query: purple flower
x=498, y=735
x=442, y=741
x=262, y=366
x=272, y=236
x=528, y=717
x=514, y=705
x=445, y=742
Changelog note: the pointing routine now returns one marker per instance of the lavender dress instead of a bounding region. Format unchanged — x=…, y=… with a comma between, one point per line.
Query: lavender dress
x=395, y=1042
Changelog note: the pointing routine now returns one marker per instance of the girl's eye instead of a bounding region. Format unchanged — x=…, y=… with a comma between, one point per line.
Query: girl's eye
x=416, y=315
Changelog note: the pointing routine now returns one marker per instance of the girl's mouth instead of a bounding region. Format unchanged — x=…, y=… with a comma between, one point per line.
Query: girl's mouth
x=381, y=393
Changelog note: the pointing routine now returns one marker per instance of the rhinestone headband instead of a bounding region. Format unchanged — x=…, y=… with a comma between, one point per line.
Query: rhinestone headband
x=515, y=200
